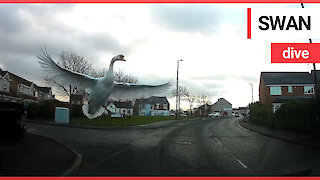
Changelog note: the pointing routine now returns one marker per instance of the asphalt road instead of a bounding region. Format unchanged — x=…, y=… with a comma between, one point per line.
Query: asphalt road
x=209, y=147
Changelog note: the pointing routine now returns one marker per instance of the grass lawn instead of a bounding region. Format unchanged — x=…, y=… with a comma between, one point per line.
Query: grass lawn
x=126, y=121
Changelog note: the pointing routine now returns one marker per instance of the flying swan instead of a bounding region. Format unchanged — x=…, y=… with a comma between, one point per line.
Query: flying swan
x=99, y=89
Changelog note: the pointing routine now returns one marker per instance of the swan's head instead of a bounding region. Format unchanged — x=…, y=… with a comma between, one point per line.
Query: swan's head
x=118, y=58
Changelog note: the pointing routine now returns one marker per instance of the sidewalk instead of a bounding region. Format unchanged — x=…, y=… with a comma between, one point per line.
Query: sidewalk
x=307, y=140
x=38, y=156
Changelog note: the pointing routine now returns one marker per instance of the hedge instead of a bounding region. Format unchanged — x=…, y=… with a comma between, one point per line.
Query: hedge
x=46, y=109
x=298, y=116
x=293, y=115
x=260, y=114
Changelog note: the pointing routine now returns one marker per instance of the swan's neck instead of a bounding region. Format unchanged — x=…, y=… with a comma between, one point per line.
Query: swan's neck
x=111, y=66
x=109, y=74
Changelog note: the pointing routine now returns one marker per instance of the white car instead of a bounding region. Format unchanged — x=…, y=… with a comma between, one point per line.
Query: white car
x=215, y=114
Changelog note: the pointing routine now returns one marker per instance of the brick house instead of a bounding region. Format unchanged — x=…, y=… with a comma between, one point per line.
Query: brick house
x=203, y=110
x=76, y=99
x=15, y=88
x=276, y=88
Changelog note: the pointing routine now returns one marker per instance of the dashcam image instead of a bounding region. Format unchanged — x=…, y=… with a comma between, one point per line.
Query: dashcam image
x=159, y=89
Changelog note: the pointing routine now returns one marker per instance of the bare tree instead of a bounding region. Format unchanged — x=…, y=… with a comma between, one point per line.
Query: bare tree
x=180, y=94
x=75, y=63
x=203, y=99
x=98, y=74
x=120, y=77
x=190, y=98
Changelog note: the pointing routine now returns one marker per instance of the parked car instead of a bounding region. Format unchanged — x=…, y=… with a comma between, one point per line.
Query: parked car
x=215, y=114
x=236, y=114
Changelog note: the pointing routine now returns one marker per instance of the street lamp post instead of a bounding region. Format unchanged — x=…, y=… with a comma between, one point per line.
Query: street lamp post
x=177, y=91
x=251, y=92
x=315, y=78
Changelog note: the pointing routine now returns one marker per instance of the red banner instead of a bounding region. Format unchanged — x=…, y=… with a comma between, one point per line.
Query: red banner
x=295, y=52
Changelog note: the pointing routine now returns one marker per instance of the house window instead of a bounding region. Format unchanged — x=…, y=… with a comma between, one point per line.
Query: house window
x=275, y=90
x=308, y=89
x=289, y=89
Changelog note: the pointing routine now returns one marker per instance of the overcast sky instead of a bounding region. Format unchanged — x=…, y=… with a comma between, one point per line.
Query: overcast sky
x=218, y=60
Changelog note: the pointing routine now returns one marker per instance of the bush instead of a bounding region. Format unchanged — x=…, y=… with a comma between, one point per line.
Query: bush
x=32, y=111
x=298, y=116
x=260, y=114
x=44, y=109
x=293, y=115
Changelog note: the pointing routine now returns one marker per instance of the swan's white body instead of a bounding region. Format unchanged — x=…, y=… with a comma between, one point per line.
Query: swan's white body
x=100, y=89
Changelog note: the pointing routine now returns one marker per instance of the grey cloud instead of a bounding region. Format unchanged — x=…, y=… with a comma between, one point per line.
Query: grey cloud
x=49, y=32
x=188, y=17
x=209, y=85
x=223, y=77
x=10, y=19
x=211, y=89
x=21, y=38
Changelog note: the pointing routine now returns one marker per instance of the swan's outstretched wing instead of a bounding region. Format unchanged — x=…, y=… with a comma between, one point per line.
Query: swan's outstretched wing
x=64, y=76
x=135, y=91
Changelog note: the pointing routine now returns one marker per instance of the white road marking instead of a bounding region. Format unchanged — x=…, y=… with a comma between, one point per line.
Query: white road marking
x=217, y=141
x=243, y=165
x=243, y=127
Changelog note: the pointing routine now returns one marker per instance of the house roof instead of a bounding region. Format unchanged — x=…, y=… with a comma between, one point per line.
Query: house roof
x=203, y=106
x=222, y=99
x=2, y=73
x=282, y=99
x=19, y=79
x=126, y=105
x=286, y=78
x=154, y=100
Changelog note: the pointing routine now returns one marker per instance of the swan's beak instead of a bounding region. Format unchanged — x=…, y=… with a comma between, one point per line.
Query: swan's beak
x=123, y=59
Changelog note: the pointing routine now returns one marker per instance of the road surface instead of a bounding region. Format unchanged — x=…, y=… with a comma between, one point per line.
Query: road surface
x=210, y=147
